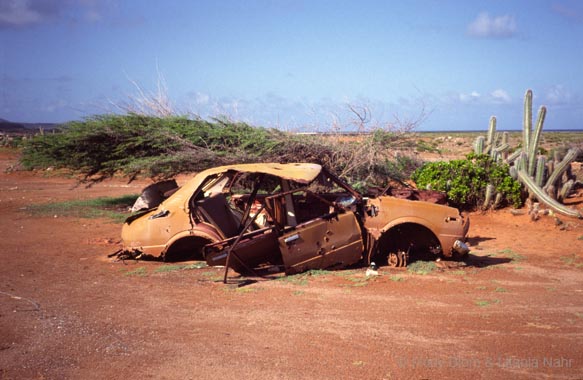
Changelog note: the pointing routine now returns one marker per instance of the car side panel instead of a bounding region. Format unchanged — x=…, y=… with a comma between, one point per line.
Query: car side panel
x=446, y=223
x=322, y=243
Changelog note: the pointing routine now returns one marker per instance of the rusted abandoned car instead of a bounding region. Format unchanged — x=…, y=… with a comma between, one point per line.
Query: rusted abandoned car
x=296, y=216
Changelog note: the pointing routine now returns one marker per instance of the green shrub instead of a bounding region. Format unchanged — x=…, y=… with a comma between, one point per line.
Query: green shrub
x=162, y=147
x=465, y=180
x=102, y=146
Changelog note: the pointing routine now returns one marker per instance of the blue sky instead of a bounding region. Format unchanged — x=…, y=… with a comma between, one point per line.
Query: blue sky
x=296, y=65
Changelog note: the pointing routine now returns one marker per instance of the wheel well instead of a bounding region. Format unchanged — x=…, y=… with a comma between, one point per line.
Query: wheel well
x=187, y=248
x=419, y=241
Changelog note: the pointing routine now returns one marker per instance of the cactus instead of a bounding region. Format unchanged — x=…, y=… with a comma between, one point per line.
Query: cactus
x=479, y=145
x=561, y=167
x=566, y=190
x=498, y=200
x=522, y=161
x=527, y=121
x=490, y=140
x=505, y=138
x=513, y=157
x=551, y=191
x=540, y=171
x=513, y=173
x=489, y=194
x=527, y=166
x=505, y=142
x=544, y=198
x=535, y=139
x=499, y=151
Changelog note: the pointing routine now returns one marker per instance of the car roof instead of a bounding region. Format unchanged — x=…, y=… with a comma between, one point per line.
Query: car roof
x=299, y=172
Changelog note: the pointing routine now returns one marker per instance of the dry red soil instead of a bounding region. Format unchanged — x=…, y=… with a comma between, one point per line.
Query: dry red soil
x=515, y=311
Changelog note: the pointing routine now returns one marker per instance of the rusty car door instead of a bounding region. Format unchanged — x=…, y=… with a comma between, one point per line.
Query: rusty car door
x=330, y=241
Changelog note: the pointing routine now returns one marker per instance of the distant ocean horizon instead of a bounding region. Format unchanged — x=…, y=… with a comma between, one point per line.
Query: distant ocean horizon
x=349, y=132
x=497, y=130
x=6, y=125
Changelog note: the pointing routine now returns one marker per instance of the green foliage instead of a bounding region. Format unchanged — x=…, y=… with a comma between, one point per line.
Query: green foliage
x=162, y=147
x=105, y=145
x=465, y=181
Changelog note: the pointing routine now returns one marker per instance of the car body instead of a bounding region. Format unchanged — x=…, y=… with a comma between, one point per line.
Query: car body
x=296, y=216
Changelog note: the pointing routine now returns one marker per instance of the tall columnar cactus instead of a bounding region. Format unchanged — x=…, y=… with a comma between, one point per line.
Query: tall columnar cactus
x=532, y=165
x=527, y=165
x=490, y=145
x=479, y=145
x=527, y=120
x=541, y=166
x=491, y=134
x=535, y=140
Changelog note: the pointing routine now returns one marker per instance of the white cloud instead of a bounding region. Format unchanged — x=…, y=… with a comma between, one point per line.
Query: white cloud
x=500, y=96
x=474, y=96
x=200, y=98
x=485, y=26
x=558, y=95
x=17, y=13
x=25, y=13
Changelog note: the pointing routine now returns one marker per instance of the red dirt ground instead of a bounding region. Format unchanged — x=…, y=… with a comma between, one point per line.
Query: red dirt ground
x=68, y=312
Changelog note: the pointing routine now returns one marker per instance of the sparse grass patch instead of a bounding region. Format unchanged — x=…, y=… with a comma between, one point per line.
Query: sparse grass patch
x=246, y=289
x=168, y=268
x=361, y=281
x=484, y=303
x=424, y=146
x=572, y=260
x=500, y=290
x=317, y=272
x=302, y=278
x=198, y=265
x=114, y=208
x=141, y=272
x=481, y=288
x=213, y=276
x=421, y=267
x=514, y=256
x=298, y=293
x=177, y=267
x=296, y=279
x=459, y=272
x=397, y=278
